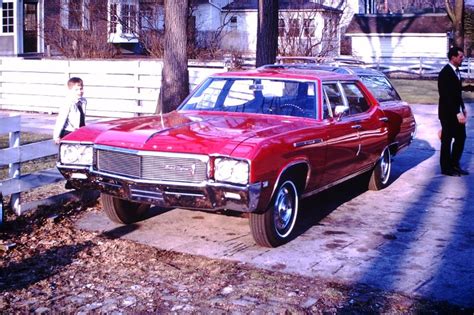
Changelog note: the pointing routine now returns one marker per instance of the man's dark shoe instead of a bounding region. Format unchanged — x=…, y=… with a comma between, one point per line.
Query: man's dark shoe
x=451, y=172
x=460, y=170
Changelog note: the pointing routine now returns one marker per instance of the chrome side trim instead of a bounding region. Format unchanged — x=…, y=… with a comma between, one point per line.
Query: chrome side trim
x=337, y=182
x=287, y=167
x=307, y=142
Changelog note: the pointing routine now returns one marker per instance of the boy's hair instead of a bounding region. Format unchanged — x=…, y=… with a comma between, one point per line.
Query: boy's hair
x=73, y=81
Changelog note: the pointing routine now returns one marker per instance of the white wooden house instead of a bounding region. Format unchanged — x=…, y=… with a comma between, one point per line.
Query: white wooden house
x=399, y=35
x=24, y=24
x=307, y=20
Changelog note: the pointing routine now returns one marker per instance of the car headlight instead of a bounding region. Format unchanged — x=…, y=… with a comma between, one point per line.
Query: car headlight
x=75, y=153
x=231, y=171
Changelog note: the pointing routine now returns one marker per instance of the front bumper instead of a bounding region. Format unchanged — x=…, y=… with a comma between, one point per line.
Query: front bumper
x=208, y=195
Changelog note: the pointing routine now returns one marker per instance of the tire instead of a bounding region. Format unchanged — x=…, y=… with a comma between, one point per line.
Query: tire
x=275, y=226
x=381, y=173
x=123, y=211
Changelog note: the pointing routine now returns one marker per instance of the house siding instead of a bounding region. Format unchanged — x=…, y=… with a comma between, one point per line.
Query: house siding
x=388, y=46
x=399, y=36
x=6, y=45
x=244, y=37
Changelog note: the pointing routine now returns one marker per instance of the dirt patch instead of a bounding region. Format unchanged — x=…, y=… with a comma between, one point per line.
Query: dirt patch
x=55, y=267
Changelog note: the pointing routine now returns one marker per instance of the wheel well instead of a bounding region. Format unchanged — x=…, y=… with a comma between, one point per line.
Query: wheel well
x=298, y=174
x=393, y=147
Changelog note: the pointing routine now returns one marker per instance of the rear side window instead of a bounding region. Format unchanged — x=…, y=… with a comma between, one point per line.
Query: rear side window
x=355, y=98
x=381, y=88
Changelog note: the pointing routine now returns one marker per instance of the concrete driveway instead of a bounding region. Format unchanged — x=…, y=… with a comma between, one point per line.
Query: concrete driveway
x=414, y=237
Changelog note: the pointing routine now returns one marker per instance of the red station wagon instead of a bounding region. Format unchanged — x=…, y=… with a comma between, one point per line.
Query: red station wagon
x=251, y=141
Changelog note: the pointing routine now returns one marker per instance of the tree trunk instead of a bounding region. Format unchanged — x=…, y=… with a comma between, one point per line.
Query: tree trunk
x=175, y=76
x=456, y=15
x=267, y=32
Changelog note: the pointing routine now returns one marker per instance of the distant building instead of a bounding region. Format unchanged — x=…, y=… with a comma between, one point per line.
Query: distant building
x=399, y=35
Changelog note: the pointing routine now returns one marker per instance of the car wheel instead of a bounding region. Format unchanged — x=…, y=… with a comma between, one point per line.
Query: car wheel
x=121, y=210
x=381, y=172
x=274, y=227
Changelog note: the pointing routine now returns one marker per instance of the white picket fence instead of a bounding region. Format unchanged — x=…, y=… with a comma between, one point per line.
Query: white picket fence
x=113, y=88
x=421, y=67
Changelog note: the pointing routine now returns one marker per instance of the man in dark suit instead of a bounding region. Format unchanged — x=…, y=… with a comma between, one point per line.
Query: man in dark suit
x=452, y=114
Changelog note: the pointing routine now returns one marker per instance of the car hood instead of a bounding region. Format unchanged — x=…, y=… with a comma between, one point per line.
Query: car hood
x=192, y=132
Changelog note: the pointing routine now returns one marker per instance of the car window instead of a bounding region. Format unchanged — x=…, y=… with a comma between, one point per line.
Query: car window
x=255, y=95
x=381, y=88
x=207, y=100
x=239, y=93
x=355, y=98
x=332, y=98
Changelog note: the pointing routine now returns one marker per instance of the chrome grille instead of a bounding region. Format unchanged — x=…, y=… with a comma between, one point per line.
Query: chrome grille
x=119, y=163
x=173, y=169
x=160, y=167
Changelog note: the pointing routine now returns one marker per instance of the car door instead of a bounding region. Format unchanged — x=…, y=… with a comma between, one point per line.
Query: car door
x=343, y=143
x=369, y=120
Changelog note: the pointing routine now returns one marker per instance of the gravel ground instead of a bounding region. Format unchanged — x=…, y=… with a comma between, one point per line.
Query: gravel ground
x=55, y=267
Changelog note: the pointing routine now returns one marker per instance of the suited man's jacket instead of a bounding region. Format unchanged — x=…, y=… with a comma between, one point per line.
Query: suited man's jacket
x=450, y=94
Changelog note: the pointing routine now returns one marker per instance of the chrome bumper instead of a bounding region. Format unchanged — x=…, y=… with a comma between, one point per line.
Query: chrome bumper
x=208, y=195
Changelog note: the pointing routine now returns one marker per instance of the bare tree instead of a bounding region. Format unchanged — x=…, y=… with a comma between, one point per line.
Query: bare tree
x=455, y=9
x=267, y=32
x=175, y=76
x=208, y=43
x=79, y=30
x=304, y=32
x=410, y=6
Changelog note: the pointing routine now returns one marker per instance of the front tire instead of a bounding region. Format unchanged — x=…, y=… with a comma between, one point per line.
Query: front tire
x=381, y=172
x=122, y=211
x=275, y=226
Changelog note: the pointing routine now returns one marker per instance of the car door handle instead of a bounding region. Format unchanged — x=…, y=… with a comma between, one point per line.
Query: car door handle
x=356, y=126
x=384, y=119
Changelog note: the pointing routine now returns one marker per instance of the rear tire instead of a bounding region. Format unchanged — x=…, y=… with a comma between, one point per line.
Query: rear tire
x=381, y=172
x=123, y=211
x=275, y=226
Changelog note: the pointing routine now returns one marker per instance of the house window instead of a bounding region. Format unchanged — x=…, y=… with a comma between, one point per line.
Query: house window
x=281, y=27
x=125, y=18
x=308, y=27
x=74, y=14
x=113, y=18
x=129, y=21
x=146, y=18
x=233, y=22
x=330, y=28
x=7, y=17
x=294, y=30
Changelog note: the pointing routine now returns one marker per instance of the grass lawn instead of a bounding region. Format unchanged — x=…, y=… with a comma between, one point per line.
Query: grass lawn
x=422, y=91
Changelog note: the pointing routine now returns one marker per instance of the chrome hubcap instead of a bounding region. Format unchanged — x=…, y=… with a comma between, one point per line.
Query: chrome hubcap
x=284, y=210
x=385, y=165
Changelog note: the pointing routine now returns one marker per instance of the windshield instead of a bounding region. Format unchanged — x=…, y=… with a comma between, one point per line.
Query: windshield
x=252, y=95
x=381, y=88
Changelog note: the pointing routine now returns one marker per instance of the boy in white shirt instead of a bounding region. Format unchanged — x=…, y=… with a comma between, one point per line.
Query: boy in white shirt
x=72, y=114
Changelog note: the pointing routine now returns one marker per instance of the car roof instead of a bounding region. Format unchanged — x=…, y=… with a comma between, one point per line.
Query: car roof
x=346, y=69
x=290, y=73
